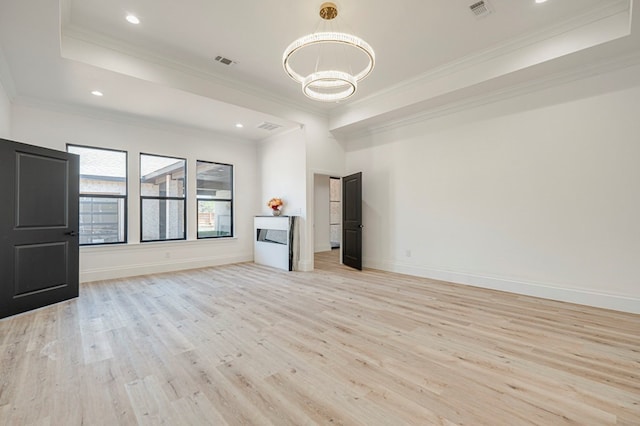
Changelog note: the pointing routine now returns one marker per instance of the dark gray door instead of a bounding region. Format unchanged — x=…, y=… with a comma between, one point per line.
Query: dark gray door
x=352, y=220
x=38, y=227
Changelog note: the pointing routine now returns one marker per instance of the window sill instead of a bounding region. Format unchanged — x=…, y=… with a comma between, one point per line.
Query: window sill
x=152, y=245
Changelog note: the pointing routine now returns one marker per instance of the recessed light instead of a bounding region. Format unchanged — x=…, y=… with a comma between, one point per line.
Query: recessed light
x=239, y=125
x=97, y=93
x=133, y=19
x=540, y=1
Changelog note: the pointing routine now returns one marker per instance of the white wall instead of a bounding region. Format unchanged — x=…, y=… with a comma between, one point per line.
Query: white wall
x=5, y=114
x=325, y=156
x=289, y=163
x=322, y=213
x=282, y=174
x=39, y=126
x=536, y=195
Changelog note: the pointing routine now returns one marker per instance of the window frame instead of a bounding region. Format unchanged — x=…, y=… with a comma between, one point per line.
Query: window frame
x=124, y=197
x=149, y=197
x=230, y=200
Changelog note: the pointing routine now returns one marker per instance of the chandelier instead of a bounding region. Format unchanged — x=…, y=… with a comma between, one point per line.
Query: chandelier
x=337, y=81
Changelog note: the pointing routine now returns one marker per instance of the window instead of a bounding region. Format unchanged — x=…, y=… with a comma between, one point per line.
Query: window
x=215, y=199
x=162, y=198
x=103, y=195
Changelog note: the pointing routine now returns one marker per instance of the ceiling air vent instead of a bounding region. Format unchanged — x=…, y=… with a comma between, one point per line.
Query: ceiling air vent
x=269, y=126
x=224, y=60
x=480, y=9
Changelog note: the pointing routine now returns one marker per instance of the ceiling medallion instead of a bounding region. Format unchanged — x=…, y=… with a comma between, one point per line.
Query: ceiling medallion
x=328, y=85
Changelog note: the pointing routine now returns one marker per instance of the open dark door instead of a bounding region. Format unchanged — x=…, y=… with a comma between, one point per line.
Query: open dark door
x=38, y=227
x=352, y=220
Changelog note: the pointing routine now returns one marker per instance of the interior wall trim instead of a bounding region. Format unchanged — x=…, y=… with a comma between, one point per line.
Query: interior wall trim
x=542, y=290
x=123, y=118
x=322, y=247
x=162, y=266
x=505, y=48
x=521, y=89
x=73, y=38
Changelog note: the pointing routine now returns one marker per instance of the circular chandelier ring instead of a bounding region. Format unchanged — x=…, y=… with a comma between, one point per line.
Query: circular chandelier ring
x=328, y=37
x=329, y=79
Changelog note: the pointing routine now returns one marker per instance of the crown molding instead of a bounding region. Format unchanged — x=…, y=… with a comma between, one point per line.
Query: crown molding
x=72, y=31
x=128, y=119
x=486, y=55
x=549, y=81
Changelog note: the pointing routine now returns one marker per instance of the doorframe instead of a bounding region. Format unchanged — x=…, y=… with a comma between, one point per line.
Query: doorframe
x=311, y=213
x=339, y=223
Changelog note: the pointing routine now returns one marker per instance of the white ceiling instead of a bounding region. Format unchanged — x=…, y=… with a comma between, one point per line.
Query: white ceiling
x=430, y=52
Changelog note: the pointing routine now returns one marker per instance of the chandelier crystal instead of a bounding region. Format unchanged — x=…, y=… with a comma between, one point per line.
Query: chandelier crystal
x=330, y=85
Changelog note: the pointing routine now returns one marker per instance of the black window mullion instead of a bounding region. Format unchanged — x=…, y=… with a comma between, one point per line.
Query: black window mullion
x=151, y=197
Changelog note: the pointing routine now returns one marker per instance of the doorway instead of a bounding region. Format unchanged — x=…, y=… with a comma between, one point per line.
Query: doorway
x=338, y=218
x=335, y=212
x=327, y=213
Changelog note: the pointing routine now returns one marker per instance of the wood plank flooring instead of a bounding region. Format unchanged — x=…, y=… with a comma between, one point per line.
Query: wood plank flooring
x=247, y=344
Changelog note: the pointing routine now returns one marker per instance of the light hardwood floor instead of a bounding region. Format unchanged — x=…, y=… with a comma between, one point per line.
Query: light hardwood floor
x=247, y=344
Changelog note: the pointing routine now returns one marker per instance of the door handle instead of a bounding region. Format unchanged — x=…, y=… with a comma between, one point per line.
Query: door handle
x=71, y=233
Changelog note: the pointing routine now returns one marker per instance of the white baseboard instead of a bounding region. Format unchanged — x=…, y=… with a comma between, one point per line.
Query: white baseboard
x=305, y=266
x=322, y=248
x=166, y=265
x=545, y=291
